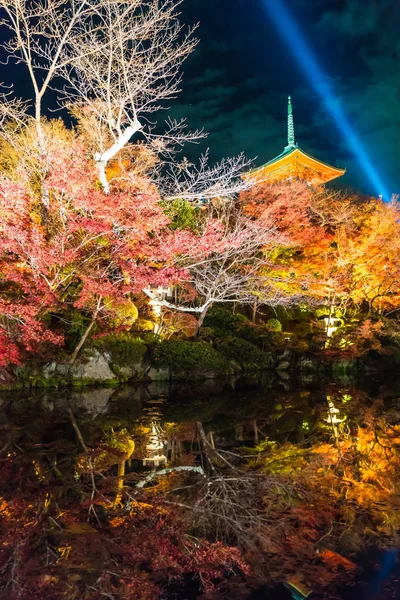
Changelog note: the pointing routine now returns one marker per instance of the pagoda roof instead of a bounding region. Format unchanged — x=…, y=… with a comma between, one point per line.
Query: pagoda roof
x=294, y=162
x=294, y=158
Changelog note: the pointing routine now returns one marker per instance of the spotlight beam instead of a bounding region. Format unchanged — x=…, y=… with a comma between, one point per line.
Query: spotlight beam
x=302, y=52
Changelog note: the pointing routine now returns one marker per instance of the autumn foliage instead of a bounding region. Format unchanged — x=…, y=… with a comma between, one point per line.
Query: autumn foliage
x=93, y=253
x=278, y=510
x=89, y=251
x=341, y=257
x=89, y=255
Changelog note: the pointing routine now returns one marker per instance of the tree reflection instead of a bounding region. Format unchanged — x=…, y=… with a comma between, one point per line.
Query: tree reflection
x=293, y=488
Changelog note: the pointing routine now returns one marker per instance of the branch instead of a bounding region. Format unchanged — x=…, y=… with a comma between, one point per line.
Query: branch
x=155, y=474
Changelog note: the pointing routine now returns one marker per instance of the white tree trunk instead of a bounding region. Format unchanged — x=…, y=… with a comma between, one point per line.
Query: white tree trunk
x=102, y=158
x=178, y=307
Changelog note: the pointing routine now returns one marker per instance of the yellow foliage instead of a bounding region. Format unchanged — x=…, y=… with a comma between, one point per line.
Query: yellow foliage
x=140, y=506
x=64, y=551
x=145, y=325
x=117, y=521
x=125, y=313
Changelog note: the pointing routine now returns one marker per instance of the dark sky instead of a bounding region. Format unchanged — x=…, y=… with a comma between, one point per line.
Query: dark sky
x=237, y=81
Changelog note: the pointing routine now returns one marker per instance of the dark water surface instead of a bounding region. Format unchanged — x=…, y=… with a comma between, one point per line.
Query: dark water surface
x=36, y=426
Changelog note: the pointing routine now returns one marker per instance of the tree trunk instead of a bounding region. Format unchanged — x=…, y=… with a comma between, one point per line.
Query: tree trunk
x=77, y=430
x=205, y=444
x=82, y=341
x=254, y=314
x=102, y=158
x=45, y=196
x=120, y=484
x=202, y=316
x=101, y=167
x=328, y=324
x=255, y=429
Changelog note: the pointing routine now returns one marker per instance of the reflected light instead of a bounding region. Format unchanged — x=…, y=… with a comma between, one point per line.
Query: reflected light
x=302, y=52
x=330, y=325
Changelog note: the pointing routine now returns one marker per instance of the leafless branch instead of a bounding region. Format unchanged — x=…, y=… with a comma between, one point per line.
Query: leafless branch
x=203, y=182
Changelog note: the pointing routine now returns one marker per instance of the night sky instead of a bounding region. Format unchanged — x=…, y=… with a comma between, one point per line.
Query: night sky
x=237, y=81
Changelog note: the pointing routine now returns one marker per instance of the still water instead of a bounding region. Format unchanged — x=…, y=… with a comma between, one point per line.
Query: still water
x=49, y=437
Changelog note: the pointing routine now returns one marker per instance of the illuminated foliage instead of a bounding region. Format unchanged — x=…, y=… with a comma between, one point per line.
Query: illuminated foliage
x=88, y=251
x=342, y=255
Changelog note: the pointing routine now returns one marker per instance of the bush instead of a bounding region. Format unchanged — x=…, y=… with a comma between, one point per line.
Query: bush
x=274, y=325
x=183, y=214
x=125, y=349
x=181, y=355
x=220, y=325
x=219, y=318
x=76, y=324
x=244, y=353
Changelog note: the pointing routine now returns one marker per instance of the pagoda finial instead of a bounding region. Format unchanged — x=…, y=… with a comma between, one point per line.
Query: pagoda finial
x=291, y=142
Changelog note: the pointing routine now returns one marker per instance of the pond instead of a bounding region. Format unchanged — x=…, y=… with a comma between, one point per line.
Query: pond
x=262, y=487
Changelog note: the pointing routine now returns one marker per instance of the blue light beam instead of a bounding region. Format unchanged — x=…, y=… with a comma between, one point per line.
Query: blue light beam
x=303, y=54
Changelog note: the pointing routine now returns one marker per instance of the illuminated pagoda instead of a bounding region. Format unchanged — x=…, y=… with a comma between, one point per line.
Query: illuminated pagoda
x=294, y=163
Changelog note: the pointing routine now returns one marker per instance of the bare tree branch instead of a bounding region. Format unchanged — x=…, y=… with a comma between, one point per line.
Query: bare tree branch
x=203, y=182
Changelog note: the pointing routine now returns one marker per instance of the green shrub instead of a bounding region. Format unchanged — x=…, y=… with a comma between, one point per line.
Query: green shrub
x=221, y=324
x=219, y=318
x=151, y=338
x=251, y=332
x=76, y=324
x=274, y=325
x=183, y=214
x=125, y=349
x=244, y=353
x=188, y=356
x=206, y=333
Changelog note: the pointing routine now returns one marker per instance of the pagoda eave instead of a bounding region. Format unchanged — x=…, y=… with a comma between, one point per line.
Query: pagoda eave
x=296, y=164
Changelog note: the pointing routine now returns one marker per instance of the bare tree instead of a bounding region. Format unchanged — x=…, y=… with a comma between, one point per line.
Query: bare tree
x=194, y=182
x=114, y=65
x=233, y=272
x=226, y=501
x=126, y=68
x=40, y=36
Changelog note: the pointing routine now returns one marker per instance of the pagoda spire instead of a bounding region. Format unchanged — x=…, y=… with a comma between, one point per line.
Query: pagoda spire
x=291, y=142
x=294, y=163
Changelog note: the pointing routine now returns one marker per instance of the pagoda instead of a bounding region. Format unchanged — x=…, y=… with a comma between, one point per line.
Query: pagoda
x=294, y=163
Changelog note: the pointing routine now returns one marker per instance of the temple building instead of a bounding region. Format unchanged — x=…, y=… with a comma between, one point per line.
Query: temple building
x=294, y=163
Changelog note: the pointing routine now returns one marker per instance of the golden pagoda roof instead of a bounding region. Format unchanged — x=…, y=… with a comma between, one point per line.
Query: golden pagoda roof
x=294, y=163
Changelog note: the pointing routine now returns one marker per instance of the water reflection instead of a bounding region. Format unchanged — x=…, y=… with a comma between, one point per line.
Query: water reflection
x=302, y=479
x=156, y=443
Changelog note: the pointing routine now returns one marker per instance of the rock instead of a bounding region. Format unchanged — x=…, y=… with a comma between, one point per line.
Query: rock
x=94, y=401
x=205, y=374
x=49, y=370
x=307, y=377
x=136, y=371
x=196, y=375
x=6, y=378
x=157, y=388
x=91, y=369
x=159, y=374
x=283, y=375
x=94, y=369
x=123, y=372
